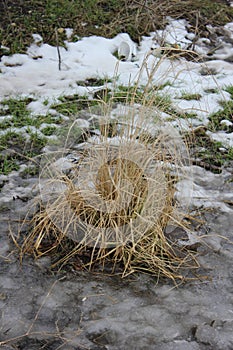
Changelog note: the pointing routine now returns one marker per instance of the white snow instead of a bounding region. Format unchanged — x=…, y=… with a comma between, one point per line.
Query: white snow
x=5, y=117
x=36, y=74
x=69, y=32
x=38, y=107
x=225, y=138
x=37, y=38
x=226, y=122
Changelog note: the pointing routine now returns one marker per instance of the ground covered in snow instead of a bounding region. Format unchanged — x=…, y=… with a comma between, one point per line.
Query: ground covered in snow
x=40, y=93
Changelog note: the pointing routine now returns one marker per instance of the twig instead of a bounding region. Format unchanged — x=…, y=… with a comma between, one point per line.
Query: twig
x=196, y=37
x=58, y=50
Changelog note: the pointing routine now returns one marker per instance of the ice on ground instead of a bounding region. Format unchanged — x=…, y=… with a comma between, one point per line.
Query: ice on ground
x=203, y=189
x=139, y=313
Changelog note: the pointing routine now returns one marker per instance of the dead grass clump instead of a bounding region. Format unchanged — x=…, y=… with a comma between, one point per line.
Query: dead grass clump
x=112, y=207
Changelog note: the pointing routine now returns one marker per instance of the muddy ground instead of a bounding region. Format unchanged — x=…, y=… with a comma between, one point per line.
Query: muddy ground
x=84, y=310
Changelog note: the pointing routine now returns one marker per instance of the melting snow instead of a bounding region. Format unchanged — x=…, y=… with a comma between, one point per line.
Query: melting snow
x=37, y=74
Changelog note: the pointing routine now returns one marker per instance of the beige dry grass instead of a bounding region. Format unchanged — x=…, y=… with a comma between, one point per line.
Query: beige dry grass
x=121, y=216
x=113, y=206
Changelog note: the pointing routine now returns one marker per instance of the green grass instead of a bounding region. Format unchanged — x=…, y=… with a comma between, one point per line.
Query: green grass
x=127, y=94
x=18, y=109
x=229, y=89
x=93, y=82
x=174, y=115
x=226, y=113
x=190, y=97
x=11, y=139
x=30, y=171
x=162, y=86
x=19, y=19
x=21, y=116
x=75, y=135
x=213, y=155
x=49, y=130
x=211, y=152
x=71, y=105
x=163, y=102
x=8, y=164
x=35, y=144
x=16, y=149
x=21, y=146
x=153, y=97
x=211, y=91
x=141, y=95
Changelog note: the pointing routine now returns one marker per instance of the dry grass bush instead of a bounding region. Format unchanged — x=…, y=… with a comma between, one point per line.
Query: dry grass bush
x=113, y=206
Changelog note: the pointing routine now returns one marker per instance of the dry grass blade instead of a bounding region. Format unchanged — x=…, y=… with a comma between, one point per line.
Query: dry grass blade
x=113, y=205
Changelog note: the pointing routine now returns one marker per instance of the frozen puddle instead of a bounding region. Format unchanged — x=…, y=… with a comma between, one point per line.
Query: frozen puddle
x=81, y=310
